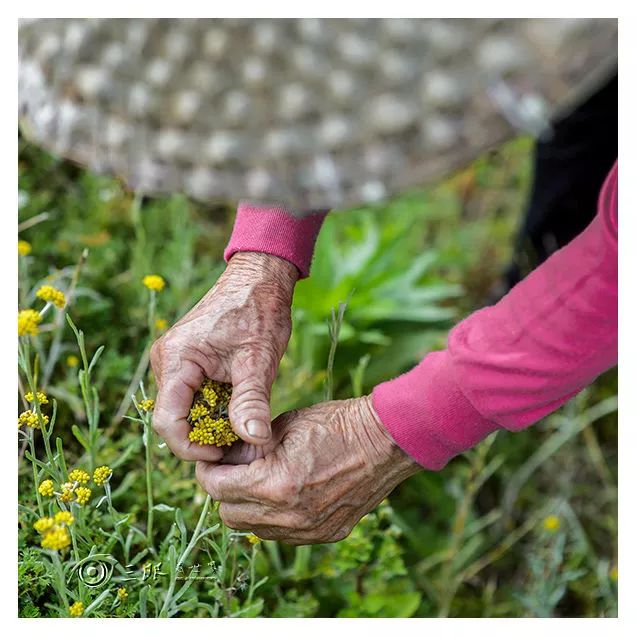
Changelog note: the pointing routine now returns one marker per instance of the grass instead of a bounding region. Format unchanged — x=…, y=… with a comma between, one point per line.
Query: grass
x=472, y=540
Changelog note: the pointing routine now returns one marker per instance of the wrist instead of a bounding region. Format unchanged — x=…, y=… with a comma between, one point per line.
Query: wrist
x=393, y=457
x=263, y=267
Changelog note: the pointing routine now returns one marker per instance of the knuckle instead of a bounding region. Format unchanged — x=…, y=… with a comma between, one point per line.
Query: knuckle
x=303, y=521
x=340, y=534
x=286, y=493
x=252, y=396
x=259, y=358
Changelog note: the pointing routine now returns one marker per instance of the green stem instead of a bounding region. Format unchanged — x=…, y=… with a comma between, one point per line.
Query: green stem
x=149, y=496
x=182, y=558
x=61, y=579
x=36, y=481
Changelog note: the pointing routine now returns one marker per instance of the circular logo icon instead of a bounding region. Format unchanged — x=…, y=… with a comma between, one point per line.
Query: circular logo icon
x=95, y=570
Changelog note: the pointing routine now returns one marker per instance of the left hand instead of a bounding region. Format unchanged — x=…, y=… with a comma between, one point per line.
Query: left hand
x=324, y=469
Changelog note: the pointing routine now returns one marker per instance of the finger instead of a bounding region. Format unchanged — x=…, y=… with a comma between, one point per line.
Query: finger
x=172, y=407
x=244, y=453
x=229, y=483
x=265, y=522
x=252, y=378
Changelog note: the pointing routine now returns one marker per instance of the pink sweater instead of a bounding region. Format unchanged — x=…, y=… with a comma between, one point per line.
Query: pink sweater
x=506, y=366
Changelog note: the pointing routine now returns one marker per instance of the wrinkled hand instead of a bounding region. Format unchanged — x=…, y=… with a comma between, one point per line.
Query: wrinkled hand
x=325, y=468
x=237, y=333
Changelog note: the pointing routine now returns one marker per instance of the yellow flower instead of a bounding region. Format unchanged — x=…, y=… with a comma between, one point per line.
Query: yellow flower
x=51, y=294
x=101, y=475
x=208, y=415
x=72, y=361
x=147, y=405
x=161, y=324
x=30, y=418
x=24, y=248
x=46, y=488
x=154, y=282
x=613, y=574
x=122, y=594
x=551, y=523
x=64, y=518
x=57, y=538
x=43, y=525
x=83, y=495
x=67, y=492
x=77, y=609
x=28, y=321
x=79, y=475
x=253, y=539
x=198, y=411
x=42, y=399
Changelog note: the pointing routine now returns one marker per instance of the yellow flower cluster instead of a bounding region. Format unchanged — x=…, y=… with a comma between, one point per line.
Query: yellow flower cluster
x=79, y=475
x=83, y=495
x=28, y=321
x=77, y=609
x=64, y=517
x=24, y=248
x=51, y=294
x=154, y=282
x=72, y=361
x=161, y=324
x=46, y=488
x=54, y=530
x=42, y=398
x=68, y=490
x=147, y=405
x=198, y=411
x=122, y=594
x=208, y=415
x=75, y=489
x=30, y=418
x=44, y=524
x=551, y=523
x=101, y=475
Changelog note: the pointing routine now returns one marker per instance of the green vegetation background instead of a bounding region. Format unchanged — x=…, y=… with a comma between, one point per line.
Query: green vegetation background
x=467, y=541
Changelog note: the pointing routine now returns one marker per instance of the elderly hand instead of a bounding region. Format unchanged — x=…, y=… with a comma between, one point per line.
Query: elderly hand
x=325, y=468
x=237, y=333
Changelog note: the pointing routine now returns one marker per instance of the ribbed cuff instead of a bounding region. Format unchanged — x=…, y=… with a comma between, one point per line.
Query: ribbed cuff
x=427, y=414
x=275, y=230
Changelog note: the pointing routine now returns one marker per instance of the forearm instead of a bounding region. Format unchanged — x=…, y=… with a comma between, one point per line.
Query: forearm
x=509, y=365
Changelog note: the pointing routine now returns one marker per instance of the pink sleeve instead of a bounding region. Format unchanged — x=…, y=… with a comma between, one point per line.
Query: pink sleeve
x=276, y=230
x=509, y=365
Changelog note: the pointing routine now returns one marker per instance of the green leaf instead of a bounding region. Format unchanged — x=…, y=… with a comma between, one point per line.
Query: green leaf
x=79, y=436
x=96, y=357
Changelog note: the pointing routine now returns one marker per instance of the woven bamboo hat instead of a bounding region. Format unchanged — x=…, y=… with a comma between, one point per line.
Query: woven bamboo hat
x=309, y=112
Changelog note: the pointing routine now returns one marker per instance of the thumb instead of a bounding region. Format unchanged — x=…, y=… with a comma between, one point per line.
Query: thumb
x=250, y=415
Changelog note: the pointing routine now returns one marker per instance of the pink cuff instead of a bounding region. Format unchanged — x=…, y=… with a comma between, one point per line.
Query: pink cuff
x=427, y=414
x=275, y=230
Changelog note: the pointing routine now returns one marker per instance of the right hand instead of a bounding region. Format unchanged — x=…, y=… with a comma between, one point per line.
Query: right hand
x=237, y=333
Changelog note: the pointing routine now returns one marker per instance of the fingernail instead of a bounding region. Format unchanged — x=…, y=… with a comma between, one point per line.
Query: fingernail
x=257, y=429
